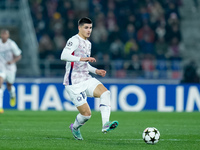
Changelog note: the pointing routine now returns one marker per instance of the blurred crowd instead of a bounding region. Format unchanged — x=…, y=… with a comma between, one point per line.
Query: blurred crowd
x=9, y=4
x=141, y=37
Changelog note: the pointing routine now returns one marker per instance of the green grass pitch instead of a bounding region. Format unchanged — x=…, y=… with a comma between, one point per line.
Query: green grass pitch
x=48, y=130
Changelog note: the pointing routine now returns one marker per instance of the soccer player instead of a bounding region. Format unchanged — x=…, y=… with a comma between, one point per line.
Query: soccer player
x=79, y=84
x=9, y=55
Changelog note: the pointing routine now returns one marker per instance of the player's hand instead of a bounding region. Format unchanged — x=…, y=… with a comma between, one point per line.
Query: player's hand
x=101, y=72
x=90, y=59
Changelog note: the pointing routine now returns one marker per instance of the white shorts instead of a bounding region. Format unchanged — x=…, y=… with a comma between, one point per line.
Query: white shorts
x=8, y=76
x=79, y=92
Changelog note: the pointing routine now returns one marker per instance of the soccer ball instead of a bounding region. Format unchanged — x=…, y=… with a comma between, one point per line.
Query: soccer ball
x=151, y=135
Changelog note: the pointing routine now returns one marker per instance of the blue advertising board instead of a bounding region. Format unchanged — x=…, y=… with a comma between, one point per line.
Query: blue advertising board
x=124, y=97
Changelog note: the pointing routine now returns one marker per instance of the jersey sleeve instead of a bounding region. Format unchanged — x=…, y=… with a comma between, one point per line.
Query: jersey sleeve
x=92, y=69
x=71, y=46
x=15, y=49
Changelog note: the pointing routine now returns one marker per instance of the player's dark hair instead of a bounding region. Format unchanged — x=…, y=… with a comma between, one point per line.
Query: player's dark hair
x=4, y=31
x=84, y=20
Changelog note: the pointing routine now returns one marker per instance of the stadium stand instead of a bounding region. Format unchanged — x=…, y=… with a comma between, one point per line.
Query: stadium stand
x=146, y=31
x=137, y=38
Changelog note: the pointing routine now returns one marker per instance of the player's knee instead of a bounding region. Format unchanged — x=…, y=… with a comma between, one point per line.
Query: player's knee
x=9, y=87
x=86, y=113
x=105, y=98
x=1, y=81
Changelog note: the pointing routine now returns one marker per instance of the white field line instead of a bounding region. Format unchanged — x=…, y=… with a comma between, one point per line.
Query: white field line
x=185, y=140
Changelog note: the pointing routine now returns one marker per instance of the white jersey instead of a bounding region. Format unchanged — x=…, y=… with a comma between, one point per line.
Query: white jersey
x=77, y=71
x=8, y=50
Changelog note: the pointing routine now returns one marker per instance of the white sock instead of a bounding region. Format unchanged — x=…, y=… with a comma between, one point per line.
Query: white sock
x=1, y=98
x=105, y=109
x=12, y=91
x=105, y=114
x=80, y=120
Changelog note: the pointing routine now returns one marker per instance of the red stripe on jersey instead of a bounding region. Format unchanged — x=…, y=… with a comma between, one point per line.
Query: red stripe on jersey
x=72, y=63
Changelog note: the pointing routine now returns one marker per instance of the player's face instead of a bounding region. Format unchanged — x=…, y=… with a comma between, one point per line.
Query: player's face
x=85, y=30
x=4, y=36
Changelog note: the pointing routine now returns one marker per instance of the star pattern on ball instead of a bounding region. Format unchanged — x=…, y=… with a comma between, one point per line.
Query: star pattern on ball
x=147, y=132
x=155, y=131
x=152, y=139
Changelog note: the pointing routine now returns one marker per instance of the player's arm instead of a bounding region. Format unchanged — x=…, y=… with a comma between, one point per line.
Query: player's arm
x=16, y=59
x=16, y=52
x=71, y=46
x=88, y=59
x=94, y=70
